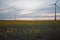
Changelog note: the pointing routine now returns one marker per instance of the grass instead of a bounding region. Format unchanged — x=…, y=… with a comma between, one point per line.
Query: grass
x=17, y=22
x=29, y=30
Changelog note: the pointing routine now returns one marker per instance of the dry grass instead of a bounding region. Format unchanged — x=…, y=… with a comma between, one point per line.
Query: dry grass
x=17, y=22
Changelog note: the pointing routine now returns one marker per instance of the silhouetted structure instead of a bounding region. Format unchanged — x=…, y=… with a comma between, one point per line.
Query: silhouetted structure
x=55, y=8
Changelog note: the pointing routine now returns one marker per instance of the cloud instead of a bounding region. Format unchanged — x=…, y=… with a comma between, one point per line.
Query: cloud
x=4, y=10
x=28, y=9
x=25, y=4
x=32, y=19
x=24, y=12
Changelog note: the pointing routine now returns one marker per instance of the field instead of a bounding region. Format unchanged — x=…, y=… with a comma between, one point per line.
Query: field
x=29, y=30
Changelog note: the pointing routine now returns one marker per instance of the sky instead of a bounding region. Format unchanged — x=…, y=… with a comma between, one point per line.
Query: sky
x=28, y=9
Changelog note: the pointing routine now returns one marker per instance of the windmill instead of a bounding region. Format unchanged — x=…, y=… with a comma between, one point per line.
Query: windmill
x=55, y=4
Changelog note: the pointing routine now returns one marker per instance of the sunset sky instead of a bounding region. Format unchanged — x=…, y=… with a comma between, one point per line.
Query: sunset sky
x=28, y=9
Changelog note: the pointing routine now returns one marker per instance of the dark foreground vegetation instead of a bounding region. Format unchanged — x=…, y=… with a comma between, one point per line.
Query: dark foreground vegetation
x=30, y=32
